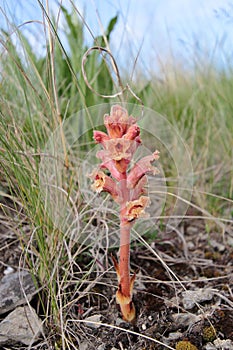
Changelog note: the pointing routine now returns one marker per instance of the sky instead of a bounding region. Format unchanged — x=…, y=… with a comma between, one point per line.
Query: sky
x=154, y=33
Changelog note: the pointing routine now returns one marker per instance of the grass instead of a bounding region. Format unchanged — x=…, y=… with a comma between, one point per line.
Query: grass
x=37, y=93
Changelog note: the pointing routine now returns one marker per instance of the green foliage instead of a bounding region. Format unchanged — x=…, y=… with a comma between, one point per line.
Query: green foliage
x=209, y=334
x=185, y=345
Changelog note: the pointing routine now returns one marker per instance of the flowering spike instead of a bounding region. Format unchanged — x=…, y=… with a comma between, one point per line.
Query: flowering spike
x=126, y=187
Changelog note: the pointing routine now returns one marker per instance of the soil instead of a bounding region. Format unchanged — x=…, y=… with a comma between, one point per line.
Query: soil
x=187, y=259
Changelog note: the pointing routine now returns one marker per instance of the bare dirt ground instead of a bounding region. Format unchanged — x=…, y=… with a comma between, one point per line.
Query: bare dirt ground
x=188, y=301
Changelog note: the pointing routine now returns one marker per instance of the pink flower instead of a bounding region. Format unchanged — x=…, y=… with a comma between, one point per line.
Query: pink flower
x=118, y=122
x=142, y=167
x=136, y=209
x=133, y=133
x=120, y=151
x=139, y=189
x=103, y=182
x=120, y=148
x=100, y=137
x=108, y=163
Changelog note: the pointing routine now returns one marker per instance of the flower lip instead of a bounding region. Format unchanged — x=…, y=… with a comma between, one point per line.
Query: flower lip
x=136, y=209
x=99, y=180
x=120, y=148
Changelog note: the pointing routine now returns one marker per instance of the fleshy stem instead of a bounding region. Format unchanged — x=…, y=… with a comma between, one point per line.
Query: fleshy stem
x=125, y=282
x=126, y=187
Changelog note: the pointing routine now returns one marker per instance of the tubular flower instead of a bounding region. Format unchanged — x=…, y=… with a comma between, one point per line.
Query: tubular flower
x=142, y=167
x=100, y=137
x=103, y=182
x=139, y=189
x=121, y=152
x=133, y=133
x=108, y=163
x=119, y=149
x=136, y=209
x=127, y=188
x=118, y=122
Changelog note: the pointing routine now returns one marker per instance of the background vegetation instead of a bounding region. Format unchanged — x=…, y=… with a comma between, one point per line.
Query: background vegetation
x=37, y=92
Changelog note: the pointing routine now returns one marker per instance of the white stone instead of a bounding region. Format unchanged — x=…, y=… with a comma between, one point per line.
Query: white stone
x=223, y=344
x=8, y=270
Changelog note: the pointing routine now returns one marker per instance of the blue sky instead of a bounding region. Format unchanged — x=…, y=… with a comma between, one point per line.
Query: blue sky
x=162, y=32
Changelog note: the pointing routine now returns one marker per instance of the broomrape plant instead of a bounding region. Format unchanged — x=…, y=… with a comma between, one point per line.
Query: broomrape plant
x=126, y=186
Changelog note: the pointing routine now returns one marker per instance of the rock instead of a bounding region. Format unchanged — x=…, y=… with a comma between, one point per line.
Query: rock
x=91, y=321
x=210, y=346
x=223, y=344
x=21, y=326
x=101, y=347
x=172, y=338
x=218, y=246
x=191, y=297
x=120, y=322
x=84, y=345
x=175, y=336
x=8, y=270
x=192, y=230
x=220, y=344
x=144, y=327
x=13, y=288
x=185, y=319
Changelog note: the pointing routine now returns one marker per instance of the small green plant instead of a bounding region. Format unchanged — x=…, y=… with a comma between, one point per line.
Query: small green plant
x=127, y=188
x=185, y=345
x=209, y=333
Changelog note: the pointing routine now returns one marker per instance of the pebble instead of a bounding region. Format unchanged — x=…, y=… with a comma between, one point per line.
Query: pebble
x=210, y=346
x=94, y=318
x=101, y=347
x=218, y=246
x=192, y=230
x=223, y=344
x=191, y=297
x=8, y=270
x=184, y=319
x=143, y=327
x=220, y=344
x=84, y=345
x=119, y=321
x=175, y=335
